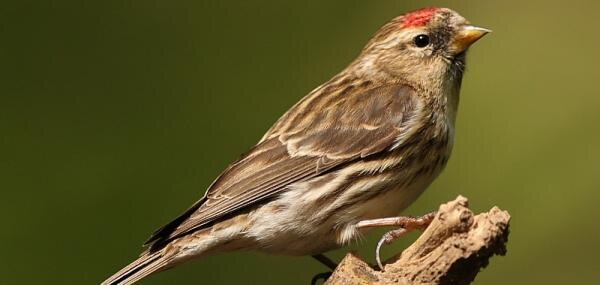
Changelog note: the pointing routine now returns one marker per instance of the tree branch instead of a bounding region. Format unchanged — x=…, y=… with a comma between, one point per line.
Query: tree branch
x=452, y=250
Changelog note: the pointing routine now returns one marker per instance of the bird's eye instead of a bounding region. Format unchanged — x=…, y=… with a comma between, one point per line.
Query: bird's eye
x=421, y=41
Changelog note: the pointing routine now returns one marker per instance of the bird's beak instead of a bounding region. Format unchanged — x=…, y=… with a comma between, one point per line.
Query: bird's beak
x=466, y=36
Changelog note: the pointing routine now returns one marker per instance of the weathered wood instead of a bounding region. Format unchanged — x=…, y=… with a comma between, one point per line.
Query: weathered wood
x=452, y=250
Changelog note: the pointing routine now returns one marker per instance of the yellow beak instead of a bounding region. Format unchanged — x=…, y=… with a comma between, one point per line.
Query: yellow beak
x=466, y=37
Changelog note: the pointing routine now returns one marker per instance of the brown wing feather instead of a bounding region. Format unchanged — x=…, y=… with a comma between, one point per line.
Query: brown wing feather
x=321, y=132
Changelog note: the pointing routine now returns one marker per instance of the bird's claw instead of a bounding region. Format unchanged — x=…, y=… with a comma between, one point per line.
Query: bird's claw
x=408, y=224
x=388, y=238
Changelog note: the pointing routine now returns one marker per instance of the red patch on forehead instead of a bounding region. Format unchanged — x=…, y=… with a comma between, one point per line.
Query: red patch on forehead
x=419, y=18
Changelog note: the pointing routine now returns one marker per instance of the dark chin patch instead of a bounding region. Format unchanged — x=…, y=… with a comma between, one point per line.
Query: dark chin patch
x=460, y=57
x=457, y=66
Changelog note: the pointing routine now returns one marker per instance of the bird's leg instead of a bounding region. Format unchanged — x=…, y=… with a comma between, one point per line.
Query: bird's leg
x=409, y=223
x=406, y=224
x=325, y=261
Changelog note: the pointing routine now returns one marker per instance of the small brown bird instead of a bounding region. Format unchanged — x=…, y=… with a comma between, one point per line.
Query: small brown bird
x=349, y=156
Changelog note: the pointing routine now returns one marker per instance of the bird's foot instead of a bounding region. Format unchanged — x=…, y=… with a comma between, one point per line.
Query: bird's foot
x=406, y=224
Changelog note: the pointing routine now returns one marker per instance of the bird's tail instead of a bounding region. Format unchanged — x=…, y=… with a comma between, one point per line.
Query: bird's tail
x=147, y=264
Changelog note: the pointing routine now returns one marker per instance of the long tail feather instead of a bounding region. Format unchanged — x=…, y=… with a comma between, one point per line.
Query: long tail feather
x=140, y=268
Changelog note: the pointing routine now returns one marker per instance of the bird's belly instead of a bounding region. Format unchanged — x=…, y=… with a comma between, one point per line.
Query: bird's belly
x=309, y=220
x=394, y=199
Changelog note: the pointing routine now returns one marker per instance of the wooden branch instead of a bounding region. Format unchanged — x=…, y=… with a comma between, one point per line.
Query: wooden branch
x=452, y=250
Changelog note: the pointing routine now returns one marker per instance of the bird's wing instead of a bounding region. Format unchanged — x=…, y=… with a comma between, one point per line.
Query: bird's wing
x=323, y=131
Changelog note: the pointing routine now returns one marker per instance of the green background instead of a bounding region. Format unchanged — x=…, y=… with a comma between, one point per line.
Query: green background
x=116, y=115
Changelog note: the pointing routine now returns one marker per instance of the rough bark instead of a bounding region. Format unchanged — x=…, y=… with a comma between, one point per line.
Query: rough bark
x=452, y=250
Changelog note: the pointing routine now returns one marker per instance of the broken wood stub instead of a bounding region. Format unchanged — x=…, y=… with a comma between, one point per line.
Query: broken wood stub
x=452, y=250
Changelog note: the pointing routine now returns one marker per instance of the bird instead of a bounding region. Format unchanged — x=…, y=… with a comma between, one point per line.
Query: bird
x=348, y=157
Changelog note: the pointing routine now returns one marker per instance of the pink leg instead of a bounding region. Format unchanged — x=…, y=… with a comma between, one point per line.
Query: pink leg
x=406, y=224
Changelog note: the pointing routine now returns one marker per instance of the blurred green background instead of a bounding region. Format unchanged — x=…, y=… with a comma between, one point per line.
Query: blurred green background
x=116, y=116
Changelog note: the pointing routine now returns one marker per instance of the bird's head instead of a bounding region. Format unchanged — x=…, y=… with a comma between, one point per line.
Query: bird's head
x=426, y=44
